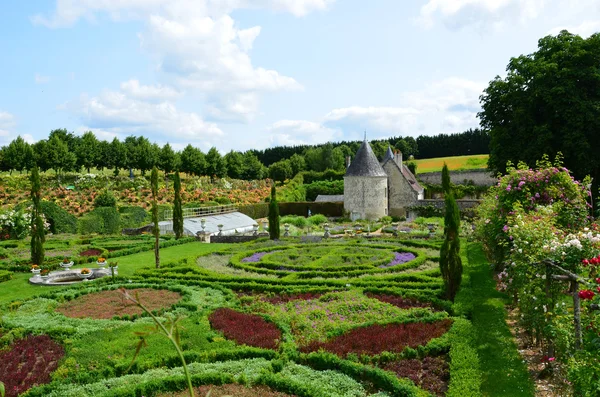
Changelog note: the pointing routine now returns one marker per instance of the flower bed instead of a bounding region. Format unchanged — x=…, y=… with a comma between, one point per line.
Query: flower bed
x=431, y=373
x=376, y=339
x=91, y=252
x=400, y=258
x=229, y=390
x=109, y=304
x=283, y=298
x=245, y=328
x=29, y=361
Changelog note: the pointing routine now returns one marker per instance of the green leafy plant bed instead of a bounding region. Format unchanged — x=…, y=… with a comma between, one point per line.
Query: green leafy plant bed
x=430, y=373
x=327, y=260
x=245, y=328
x=111, y=303
x=230, y=390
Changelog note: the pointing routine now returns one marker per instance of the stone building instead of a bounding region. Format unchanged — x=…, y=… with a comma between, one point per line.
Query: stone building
x=373, y=190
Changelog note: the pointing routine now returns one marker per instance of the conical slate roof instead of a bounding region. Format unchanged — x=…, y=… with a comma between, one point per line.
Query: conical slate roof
x=365, y=163
x=389, y=155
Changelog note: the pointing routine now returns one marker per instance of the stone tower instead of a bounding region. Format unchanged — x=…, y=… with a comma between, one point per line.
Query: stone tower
x=365, y=186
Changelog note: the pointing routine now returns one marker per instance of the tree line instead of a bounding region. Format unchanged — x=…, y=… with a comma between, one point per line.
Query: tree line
x=63, y=151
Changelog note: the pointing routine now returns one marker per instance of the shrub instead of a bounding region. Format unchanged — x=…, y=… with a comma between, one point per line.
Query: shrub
x=323, y=187
x=317, y=219
x=248, y=329
x=102, y=220
x=60, y=220
x=105, y=199
x=132, y=216
x=273, y=215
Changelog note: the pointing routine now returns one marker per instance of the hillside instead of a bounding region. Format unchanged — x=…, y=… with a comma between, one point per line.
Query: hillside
x=456, y=163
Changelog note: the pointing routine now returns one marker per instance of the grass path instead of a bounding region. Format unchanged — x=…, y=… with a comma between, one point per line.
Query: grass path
x=19, y=288
x=504, y=373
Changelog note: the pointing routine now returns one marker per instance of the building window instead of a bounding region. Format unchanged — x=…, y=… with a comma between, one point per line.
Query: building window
x=385, y=192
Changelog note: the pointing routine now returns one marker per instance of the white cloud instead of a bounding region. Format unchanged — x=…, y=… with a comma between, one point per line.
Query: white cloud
x=460, y=13
x=300, y=132
x=40, y=79
x=115, y=113
x=197, y=45
x=7, y=124
x=584, y=29
x=134, y=89
x=446, y=106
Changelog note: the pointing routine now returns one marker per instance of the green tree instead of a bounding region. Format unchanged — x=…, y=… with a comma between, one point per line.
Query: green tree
x=104, y=153
x=60, y=157
x=280, y=171
x=215, y=164
x=193, y=161
x=155, y=229
x=168, y=160
x=147, y=154
x=117, y=156
x=548, y=102
x=450, y=261
x=87, y=151
x=42, y=154
x=17, y=154
x=252, y=169
x=177, y=207
x=235, y=164
x=273, y=215
x=38, y=235
x=446, y=180
x=298, y=163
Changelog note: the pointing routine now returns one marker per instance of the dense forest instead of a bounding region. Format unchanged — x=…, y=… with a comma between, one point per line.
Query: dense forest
x=63, y=151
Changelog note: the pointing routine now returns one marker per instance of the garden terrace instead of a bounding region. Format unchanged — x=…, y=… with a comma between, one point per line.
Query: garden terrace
x=300, y=333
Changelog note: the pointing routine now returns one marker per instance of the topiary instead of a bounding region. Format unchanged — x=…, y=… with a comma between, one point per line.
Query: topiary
x=60, y=220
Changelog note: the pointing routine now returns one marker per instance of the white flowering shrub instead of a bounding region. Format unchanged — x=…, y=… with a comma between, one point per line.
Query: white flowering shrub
x=16, y=224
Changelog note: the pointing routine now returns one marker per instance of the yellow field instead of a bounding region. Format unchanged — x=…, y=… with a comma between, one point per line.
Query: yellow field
x=477, y=161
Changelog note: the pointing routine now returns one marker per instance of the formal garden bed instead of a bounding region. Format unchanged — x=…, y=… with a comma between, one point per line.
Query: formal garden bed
x=230, y=390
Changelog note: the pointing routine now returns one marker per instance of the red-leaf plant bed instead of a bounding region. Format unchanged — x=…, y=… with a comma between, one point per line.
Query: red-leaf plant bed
x=376, y=339
x=229, y=390
x=29, y=362
x=108, y=304
x=398, y=301
x=91, y=252
x=248, y=329
x=431, y=373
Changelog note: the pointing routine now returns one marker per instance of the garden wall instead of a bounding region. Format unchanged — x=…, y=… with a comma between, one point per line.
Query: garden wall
x=470, y=177
x=436, y=207
x=261, y=210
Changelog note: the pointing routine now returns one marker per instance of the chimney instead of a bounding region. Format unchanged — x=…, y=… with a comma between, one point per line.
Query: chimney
x=398, y=158
x=347, y=161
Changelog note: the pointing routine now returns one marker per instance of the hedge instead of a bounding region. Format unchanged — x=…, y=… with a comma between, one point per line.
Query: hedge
x=5, y=275
x=327, y=175
x=323, y=187
x=301, y=208
x=60, y=220
x=465, y=374
x=255, y=211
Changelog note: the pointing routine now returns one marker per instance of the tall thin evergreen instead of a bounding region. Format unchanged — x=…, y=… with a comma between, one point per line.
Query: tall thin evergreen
x=273, y=215
x=446, y=180
x=38, y=236
x=177, y=207
x=155, y=229
x=450, y=261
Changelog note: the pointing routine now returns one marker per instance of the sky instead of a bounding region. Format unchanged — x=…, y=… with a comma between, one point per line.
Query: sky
x=252, y=74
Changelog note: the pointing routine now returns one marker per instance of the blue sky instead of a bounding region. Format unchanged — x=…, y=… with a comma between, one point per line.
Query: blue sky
x=241, y=74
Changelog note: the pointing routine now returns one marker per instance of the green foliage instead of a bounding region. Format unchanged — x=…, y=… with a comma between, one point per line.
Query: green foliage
x=317, y=219
x=299, y=221
x=281, y=170
x=5, y=275
x=526, y=119
x=105, y=199
x=255, y=211
x=177, y=210
x=38, y=234
x=323, y=187
x=446, y=180
x=293, y=190
x=310, y=177
x=450, y=261
x=102, y=220
x=60, y=220
x=301, y=208
x=132, y=216
x=584, y=374
x=273, y=215
x=155, y=229
x=465, y=379
x=412, y=166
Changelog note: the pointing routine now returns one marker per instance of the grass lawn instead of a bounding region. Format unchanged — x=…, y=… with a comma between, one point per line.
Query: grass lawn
x=504, y=372
x=478, y=161
x=18, y=288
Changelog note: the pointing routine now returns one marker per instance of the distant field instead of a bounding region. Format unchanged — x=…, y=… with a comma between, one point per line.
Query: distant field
x=477, y=161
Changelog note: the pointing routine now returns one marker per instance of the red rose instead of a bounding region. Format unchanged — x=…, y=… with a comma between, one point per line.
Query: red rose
x=585, y=262
x=598, y=280
x=586, y=294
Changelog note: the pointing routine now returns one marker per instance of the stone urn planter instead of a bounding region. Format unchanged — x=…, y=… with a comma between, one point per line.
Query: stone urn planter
x=36, y=271
x=85, y=275
x=67, y=265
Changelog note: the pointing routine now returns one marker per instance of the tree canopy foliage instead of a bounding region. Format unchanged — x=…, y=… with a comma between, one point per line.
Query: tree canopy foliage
x=549, y=102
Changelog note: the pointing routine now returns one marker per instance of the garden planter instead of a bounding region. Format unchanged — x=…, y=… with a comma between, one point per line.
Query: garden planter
x=67, y=265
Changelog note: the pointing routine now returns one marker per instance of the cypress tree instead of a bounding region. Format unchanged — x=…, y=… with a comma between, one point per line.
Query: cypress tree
x=177, y=208
x=38, y=236
x=450, y=261
x=155, y=229
x=273, y=215
x=445, y=180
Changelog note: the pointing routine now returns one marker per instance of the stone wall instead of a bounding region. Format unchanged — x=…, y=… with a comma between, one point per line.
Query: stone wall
x=366, y=197
x=466, y=207
x=402, y=195
x=475, y=177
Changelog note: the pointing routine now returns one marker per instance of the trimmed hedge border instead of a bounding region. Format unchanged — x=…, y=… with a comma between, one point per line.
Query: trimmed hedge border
x=5, y=275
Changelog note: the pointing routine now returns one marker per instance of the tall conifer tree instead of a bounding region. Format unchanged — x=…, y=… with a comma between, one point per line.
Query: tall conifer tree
x=155, y=229
x=38, y=236
x=177, y=207
x=273, y=215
